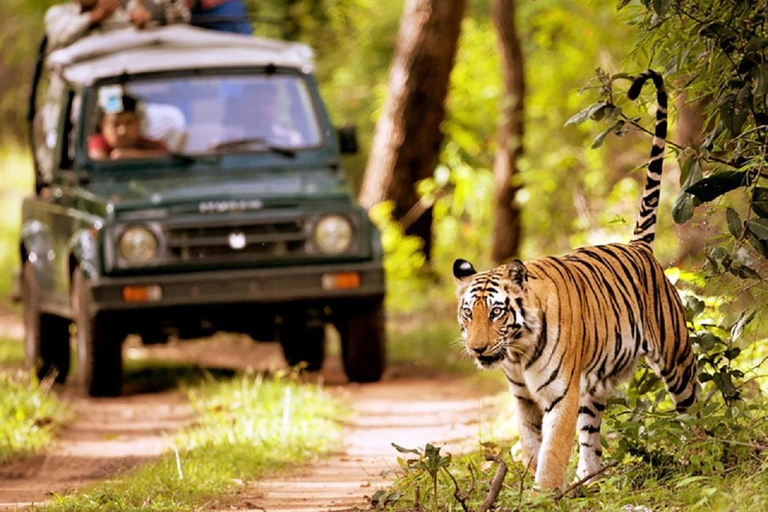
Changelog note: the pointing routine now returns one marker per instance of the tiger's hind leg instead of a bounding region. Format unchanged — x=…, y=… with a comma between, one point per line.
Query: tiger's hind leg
x=590, y=448
x=674, y=361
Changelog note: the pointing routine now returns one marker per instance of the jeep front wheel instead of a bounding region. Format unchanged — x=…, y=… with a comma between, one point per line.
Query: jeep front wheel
x=363, y=341
x=46, y=337
x=99, y=348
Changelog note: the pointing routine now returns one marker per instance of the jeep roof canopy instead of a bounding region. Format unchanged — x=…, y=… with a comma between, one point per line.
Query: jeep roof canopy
x=178, y=47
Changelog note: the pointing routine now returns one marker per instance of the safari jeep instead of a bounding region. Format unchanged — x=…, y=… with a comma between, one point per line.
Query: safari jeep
x=225, y=225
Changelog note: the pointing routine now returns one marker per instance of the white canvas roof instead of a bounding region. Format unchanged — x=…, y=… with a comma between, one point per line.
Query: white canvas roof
x=175, y=47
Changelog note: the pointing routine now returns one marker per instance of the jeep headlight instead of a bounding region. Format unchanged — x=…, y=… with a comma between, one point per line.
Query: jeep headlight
x=138, y=245
x=333, y=234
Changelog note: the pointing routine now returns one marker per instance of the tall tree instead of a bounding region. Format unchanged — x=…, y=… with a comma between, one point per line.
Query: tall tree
x=509, y=136
x=408, y=137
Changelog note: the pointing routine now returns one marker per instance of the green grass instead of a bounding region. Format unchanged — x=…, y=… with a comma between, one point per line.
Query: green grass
x=30, y=414
x=248, y=426
x=11, y=353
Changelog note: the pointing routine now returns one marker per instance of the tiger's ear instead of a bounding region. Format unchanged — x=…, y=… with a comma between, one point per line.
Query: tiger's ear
x=462, y=272
x=517, y=273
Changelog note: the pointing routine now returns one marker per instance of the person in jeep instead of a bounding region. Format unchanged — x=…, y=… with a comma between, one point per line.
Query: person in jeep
x=120, y=135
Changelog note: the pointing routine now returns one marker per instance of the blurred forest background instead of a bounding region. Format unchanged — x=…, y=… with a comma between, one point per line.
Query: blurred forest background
x=569, y=180
x=571, y=163
x=567, y=162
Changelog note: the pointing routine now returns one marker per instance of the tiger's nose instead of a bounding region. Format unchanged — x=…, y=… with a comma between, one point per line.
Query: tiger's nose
x=479, y=350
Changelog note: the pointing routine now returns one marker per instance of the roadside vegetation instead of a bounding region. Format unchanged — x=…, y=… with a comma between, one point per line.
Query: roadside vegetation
x=247, y=426
x=30, y=413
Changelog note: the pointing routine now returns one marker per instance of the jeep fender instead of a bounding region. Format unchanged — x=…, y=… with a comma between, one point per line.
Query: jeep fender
x=83, y=252
x=37, y=248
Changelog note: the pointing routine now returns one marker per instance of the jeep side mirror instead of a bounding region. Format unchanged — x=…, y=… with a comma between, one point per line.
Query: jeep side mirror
x=348, y=139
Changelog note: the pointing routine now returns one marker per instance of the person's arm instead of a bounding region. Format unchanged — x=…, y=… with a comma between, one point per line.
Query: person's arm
x=97, y=147
x=65, y=24
x=145, y=148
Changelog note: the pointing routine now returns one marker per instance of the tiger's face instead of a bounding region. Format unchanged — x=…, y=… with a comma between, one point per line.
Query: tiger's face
x=494, y=318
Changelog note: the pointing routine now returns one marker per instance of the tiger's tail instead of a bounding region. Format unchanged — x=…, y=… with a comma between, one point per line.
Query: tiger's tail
x=645, y=229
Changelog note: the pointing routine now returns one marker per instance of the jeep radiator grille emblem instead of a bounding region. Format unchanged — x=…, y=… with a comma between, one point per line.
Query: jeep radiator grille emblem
x=237, y=240
x=230, y=206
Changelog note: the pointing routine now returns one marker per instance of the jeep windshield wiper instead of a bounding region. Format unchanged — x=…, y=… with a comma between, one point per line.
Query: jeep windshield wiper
x=252, y=141
x=186, y=159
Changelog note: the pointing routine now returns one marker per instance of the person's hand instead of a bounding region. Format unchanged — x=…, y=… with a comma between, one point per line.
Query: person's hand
x=103, y=10
x=140, y=16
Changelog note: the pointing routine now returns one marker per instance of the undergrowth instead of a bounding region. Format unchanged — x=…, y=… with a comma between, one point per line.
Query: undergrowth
x=247, y=425
x=30, y=414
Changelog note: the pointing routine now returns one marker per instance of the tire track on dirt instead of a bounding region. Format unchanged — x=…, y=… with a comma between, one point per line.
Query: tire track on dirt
x=409, y=412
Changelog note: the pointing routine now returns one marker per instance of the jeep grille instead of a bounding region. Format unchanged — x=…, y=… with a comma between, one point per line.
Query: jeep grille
x=214, y=244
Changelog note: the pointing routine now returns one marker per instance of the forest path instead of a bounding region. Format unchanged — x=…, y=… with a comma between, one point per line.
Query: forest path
x=109, y=436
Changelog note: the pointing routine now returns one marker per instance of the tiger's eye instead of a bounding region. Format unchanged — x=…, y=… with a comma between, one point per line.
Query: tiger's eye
x=496, y=311
x=466, y=312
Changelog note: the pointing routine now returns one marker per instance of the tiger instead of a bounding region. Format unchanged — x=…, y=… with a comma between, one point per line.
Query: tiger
x=566, y=330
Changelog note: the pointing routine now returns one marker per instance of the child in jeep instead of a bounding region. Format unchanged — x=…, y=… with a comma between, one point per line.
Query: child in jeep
x=120, y=135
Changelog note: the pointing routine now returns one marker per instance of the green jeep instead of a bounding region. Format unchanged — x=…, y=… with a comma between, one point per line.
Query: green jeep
x=227, y=225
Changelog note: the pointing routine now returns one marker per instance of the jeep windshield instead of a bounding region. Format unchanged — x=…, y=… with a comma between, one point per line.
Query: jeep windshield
x=201, y=115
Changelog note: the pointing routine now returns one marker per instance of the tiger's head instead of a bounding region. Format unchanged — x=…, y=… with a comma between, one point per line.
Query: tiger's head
x=495, y=312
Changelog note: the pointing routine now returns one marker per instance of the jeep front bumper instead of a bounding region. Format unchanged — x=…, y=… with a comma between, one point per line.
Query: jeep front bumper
x=262, y=285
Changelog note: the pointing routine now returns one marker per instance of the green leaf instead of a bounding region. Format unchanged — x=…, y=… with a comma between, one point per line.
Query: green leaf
x=706, y=340
x=682, y=210
x=586, y=113
x=756, y=44
x=712, y=30
x=760, y=79
x=735, y=225
x=715, y=185
x=602, y=135
x=661, y=7
x=760, y=246
x=743, y=271
x=738, y=328
x=759, y=227
x=719, y=258
x=760, y=202
x=693, y=306
x=732, y=113
x=405, y=450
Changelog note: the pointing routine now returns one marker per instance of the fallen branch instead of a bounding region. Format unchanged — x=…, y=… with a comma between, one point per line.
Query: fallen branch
x=498, y=480
x=579, y=483
x=460, y=496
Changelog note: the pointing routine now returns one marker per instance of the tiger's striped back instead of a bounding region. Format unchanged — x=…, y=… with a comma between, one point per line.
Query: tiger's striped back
x=566, y=330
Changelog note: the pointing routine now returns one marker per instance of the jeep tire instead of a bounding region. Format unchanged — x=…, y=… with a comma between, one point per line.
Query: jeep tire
x=362, y=331
x=302, y=343
x=99, y=346
x=46, y=337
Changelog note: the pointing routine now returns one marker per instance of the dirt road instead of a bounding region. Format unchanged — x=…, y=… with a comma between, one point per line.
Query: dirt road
x=108, y=436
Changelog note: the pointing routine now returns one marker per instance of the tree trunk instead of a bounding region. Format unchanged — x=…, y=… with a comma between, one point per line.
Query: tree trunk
x=408, y=137
x=509, y=137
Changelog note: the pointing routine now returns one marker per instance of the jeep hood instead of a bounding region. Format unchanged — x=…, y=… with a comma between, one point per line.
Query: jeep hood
x=276, y=189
